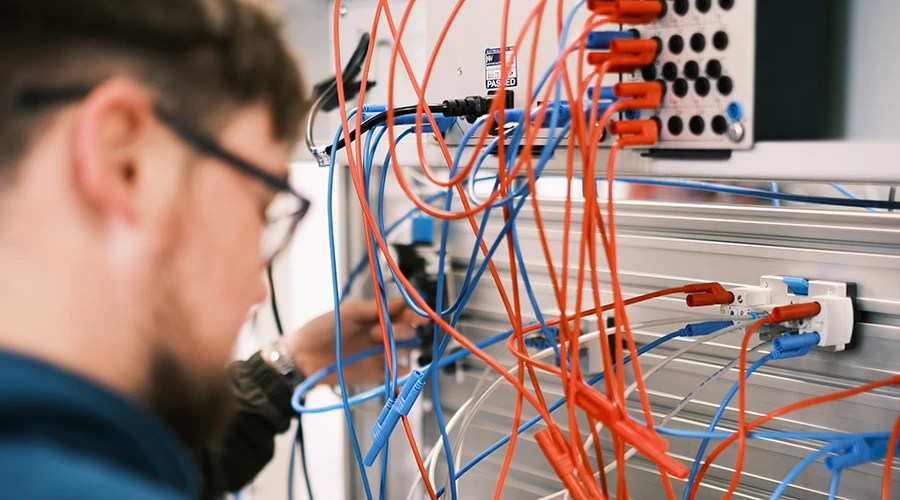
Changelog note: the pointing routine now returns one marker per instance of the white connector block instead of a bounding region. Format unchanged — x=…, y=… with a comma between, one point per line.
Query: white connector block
x=834, y=323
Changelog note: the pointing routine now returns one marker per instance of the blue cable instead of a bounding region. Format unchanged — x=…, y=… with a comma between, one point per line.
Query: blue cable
x=559, y=403
x=695, y=468
x=438, y=343
x=835, y=485
x=774, y=187
x=846, y=192
x=358, y=269
x=438, y=350
x=529, y=291
x=313, y=380
x=817, y=436
x=762, y=194
x=337, y=316
x=380, y=215
x=390, y=371
x=390, y=380
x=800, y=467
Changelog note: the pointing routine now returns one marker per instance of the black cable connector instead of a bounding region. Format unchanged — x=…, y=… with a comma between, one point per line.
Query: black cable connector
x=471, y=108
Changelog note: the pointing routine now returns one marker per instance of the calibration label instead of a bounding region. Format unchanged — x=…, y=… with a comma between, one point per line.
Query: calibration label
x=492, y=70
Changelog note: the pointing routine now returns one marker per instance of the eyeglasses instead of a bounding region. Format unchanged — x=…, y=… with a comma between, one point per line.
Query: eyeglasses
x=283, y=214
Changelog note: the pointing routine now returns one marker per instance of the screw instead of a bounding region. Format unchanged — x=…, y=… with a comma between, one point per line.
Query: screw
x=740, y=299
x=765, y=284
x=735, y=132
x=459, y=71
x=831, y=291
x=343, y=10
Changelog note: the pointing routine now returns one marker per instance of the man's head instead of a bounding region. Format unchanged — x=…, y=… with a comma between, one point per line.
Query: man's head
x=136, y=239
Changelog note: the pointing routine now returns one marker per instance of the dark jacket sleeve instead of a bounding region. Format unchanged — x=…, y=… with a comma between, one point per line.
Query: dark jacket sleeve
x=263, y=411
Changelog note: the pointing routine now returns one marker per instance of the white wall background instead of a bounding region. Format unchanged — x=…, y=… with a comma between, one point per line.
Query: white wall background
x=303, y=285
x=303, y=290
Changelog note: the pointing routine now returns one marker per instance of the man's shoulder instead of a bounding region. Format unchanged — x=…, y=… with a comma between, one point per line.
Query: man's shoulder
x=42, y=471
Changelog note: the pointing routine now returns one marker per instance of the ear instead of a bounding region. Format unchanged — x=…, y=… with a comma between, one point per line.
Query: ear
x=112, y=124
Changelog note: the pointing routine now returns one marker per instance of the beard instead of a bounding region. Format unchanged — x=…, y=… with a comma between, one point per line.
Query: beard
x=196, y=403
x=198, y=408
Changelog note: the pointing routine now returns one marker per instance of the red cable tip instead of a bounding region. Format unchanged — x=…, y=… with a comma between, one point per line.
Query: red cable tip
x=796, y=311
x=625, y=56
x=553, y=443
x=602, y=7
x=637, y=11
x=639, y=95
x=707, y=294
x=635, y=132
x=648, y=443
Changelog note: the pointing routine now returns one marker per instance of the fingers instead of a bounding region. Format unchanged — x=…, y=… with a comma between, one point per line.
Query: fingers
x=367, y=310
x=396, y=307
x=408, y=316
x=402, y=331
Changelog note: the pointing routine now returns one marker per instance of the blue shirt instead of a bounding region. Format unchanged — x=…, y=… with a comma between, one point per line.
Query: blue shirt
x=63, y=437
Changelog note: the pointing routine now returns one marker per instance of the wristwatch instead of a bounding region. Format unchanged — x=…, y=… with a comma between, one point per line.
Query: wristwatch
x=277, y=356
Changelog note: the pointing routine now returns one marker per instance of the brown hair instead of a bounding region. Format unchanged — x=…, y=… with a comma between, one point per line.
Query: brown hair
x=204, y=58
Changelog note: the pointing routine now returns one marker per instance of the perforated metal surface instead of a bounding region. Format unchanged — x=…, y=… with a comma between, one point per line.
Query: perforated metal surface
x=693, y=35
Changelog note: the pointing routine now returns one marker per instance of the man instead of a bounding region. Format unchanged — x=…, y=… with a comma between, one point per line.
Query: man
x=143, y=186
x=263, y=386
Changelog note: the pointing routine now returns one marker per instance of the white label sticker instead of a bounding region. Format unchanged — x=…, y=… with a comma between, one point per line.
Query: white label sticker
x=492, y=67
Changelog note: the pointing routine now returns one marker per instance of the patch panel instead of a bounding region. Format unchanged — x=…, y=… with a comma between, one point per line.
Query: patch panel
x=835, y=323
x=707, y=62
x=739, y=71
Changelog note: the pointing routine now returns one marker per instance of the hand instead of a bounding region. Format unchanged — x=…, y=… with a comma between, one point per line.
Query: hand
x=313, y=346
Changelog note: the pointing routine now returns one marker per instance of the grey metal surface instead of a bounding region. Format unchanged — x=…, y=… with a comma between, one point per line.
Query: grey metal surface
x=663, y=245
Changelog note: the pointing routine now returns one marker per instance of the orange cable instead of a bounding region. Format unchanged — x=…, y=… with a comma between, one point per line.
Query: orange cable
x=382, y=244
x=778, y=315
x=806, y=403
x=442, y=214
x=889, y=462
x=381, y=317
x=517, y=324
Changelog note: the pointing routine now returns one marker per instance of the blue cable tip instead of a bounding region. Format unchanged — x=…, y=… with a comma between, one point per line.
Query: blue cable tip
x=792, y=346
x=601, y=39
x=859, y=452
x=606, y=93
x=393, y=410
x=705, y=328
x=794, y=342
x=374, y=108
x=734, y=111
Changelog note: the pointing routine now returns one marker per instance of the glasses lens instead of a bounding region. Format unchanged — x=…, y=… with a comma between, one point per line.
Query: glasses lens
x=282, y=217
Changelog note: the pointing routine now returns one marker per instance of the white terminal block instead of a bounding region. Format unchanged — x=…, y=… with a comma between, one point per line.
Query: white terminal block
x=834, y=323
